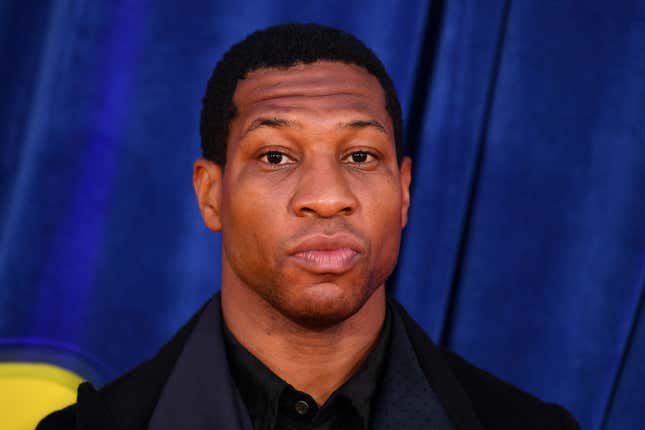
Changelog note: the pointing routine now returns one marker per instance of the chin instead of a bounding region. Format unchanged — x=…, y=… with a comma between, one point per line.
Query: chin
x=321, y=305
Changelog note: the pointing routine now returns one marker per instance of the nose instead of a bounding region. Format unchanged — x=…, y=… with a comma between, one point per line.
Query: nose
x=324, y=191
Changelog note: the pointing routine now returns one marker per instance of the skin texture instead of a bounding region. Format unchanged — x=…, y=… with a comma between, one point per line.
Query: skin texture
x=311, y=204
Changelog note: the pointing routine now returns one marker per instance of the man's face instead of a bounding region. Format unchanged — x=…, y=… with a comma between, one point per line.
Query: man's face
x=312, y=199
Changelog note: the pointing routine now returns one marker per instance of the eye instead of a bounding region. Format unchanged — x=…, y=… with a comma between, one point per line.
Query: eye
x=276, y=158
x=360, y=157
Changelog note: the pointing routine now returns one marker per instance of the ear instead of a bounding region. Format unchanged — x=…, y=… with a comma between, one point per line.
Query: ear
x=207, y=181
x=405, y=176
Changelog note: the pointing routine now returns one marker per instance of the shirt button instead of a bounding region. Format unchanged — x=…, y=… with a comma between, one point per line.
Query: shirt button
x=302, y=407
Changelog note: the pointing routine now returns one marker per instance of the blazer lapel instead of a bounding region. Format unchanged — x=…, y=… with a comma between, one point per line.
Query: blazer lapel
x=405, y=399
x=200, y=393
x=438, y=374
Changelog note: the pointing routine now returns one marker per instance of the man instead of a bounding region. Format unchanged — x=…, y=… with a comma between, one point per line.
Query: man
x=303, y=175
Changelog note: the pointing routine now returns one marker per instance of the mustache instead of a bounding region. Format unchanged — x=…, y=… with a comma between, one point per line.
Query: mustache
x=328, y=228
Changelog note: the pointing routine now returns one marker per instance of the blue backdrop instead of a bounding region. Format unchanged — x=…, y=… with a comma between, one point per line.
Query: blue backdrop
x=525, y=250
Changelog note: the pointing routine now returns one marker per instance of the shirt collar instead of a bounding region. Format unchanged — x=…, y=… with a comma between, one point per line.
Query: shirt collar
x=262, y=390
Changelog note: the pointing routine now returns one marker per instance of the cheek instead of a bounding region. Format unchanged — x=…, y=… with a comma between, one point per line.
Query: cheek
x=382, y=218
x=251, y=223
x=388, y=234
x=381, y=203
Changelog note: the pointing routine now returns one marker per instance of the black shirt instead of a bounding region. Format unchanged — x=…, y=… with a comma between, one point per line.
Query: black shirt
x=274, y=404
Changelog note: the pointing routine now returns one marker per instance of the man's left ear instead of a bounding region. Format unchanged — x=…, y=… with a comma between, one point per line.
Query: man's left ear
x=405, y=176
x=207, y=181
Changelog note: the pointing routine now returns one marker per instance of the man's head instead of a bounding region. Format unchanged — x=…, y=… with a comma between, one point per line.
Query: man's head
x=311, y=195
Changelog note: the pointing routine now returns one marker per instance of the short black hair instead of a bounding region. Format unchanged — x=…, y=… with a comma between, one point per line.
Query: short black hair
x=284, y=46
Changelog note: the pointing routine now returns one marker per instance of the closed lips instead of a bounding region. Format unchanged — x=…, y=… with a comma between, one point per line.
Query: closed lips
x=328, y=254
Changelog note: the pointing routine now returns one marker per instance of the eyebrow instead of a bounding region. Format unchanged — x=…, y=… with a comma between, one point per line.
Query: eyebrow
x=272, y=123
x=365, y=124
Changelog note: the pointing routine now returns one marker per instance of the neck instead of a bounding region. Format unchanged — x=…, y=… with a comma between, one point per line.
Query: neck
x=314, y=361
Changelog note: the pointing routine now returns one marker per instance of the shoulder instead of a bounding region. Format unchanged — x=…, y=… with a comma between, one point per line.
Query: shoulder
x=472, y=394
x=499, y=404
x=126, y=402
x=65, y=419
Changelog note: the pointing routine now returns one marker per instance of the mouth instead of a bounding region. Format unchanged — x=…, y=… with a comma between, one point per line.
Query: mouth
x=335, y=254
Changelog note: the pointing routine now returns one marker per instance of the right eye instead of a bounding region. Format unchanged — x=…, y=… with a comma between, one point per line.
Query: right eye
x=276, y=158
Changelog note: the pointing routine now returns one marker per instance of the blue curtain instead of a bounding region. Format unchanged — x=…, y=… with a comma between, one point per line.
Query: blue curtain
x=525, y=250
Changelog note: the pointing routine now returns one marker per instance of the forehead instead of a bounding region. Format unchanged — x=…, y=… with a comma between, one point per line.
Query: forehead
x=321, y=86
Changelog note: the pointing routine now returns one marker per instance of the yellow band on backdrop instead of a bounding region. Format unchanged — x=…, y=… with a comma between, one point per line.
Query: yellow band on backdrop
x=29, y=391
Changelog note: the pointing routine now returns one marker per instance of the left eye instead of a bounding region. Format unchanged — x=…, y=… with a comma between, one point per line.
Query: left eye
x=360, y=157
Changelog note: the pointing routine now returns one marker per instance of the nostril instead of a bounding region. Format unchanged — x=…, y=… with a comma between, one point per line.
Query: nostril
x=324, y=212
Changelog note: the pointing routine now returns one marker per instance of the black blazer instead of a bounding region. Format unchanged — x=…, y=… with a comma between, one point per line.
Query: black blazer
x=473, y=398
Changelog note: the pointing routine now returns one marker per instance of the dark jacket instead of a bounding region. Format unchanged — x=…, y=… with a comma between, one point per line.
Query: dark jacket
x=472, y=398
